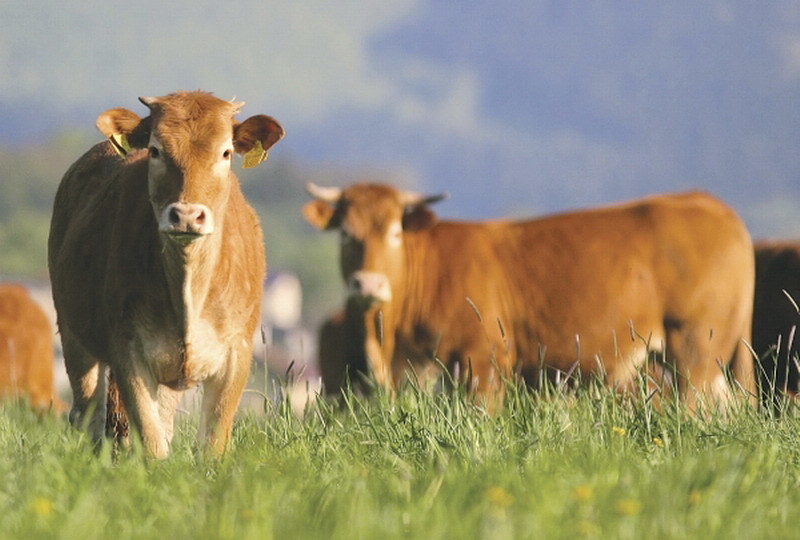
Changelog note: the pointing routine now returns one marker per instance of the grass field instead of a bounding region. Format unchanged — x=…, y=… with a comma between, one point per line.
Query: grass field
x=562, y=465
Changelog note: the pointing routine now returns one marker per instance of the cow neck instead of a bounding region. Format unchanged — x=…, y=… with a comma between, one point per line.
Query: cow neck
x=412, y=285
x=189, y=272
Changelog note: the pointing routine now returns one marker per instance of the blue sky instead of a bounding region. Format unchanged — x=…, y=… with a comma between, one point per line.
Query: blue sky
x=514, y=107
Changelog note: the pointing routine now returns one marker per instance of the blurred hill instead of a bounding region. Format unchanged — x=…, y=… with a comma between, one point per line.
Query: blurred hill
x=515, y=107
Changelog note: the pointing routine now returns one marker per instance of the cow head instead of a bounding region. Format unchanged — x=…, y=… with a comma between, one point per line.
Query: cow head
x=373, y=220
x=190, y=139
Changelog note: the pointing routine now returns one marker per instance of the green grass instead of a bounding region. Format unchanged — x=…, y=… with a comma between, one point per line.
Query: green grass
x=585, y=465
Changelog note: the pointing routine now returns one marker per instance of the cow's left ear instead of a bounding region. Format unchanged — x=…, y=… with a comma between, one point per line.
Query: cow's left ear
x=124, y=129
x=418, y=217
x=254, y=137
x=320, y=214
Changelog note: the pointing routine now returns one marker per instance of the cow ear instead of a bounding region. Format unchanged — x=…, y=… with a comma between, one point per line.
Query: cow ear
x=254, y=137
x=319, y=214
x=418, y=217
x=124, y=129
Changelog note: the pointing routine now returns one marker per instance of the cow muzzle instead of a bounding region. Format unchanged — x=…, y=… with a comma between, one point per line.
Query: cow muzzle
x=186, y=222
x=370, y=287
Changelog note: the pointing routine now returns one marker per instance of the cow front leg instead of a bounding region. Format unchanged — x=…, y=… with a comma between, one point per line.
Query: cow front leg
x=379, y=343
x=168, y=400
x=221, y=395
x=140, y=395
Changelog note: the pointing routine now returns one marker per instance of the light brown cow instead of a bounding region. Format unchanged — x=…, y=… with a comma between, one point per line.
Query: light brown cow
x=556, y=292
x=26, y=350
x=775, y=318
x=157, y=264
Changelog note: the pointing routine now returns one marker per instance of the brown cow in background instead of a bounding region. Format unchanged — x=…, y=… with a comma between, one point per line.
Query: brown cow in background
x=493, y=298
x=157, y=265
x=26, y=350
x=775, y=318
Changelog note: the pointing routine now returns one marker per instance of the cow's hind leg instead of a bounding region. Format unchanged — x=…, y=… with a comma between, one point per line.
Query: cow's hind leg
x=697, y=361
x=88, y=381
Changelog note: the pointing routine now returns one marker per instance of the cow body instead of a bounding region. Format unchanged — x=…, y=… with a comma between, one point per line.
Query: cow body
x=775, y=317
x=157, y=264
x=26, y=350
x=568, y=291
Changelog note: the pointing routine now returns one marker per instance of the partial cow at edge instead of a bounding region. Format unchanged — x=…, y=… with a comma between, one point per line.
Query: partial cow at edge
x=26, y=351
x=776, y=318
x=157, y=264
x=591, y=290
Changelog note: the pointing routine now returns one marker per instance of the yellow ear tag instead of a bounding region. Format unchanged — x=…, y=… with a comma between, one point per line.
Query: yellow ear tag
x=120, y=143
x=254, y=156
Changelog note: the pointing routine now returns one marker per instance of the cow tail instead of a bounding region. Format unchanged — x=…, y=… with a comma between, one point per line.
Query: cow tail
x=117, y=424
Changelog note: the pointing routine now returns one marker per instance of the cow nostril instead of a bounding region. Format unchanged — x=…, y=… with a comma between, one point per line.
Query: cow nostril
x=201, y=217
x=174, y=216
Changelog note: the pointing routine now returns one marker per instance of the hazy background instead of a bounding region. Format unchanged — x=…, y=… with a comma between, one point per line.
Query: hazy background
x=516, y=108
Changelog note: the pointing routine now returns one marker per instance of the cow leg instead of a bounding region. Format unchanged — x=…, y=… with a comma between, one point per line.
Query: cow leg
x=698, y=374
x=88, y=382
x=140, y=396
x=744, y=371
x=168, y=400
x=379, y=341
x=221, y=395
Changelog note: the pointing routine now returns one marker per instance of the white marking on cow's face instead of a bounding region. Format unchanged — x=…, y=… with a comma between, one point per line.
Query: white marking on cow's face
x=394, y=234
x=222, y=165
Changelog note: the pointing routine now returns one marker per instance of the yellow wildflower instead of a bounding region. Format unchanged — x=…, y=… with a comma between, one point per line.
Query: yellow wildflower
x=499, y=496
x=582, y=493
x=618, y=431
x=628, y=507
x=42, y=507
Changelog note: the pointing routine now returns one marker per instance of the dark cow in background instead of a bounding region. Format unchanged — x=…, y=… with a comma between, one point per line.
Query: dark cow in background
x=775, y=318
x=157, y=264
x=567, y=291
x=26, y=351
x=340, y=351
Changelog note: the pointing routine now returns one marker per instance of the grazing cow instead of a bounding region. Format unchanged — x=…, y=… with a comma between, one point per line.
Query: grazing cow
x=775, y=318
x=157, y=264
x=566, y=291
x=26, y=350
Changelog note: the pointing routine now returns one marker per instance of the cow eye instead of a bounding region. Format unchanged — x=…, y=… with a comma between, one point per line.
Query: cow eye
x=154, y=153
x=226, y=154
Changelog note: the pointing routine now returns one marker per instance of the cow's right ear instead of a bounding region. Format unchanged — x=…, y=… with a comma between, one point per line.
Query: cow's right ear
x=124, y=129
x=319, y=214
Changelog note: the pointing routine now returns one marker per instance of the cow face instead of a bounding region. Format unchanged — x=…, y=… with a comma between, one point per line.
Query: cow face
x=190, y=140
x=373, y=221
